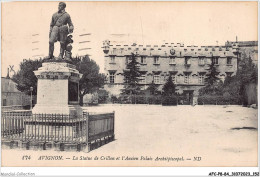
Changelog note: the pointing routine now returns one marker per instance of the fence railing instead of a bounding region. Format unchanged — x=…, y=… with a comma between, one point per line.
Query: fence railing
x=100, y=126
x=57, y=128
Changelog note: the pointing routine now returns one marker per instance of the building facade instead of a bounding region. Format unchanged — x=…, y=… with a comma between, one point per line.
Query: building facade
x=10, y=96
x=186, y=64
x=249, y=48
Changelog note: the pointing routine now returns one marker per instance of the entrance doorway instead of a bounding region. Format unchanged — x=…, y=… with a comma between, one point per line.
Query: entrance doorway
x=188, y=97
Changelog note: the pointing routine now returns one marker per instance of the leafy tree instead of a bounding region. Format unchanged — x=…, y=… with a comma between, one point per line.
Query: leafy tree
x=103, y=96
x=132, y=77
x=25, y=77
x=89, y=83
x=91, y=80
x=169, y=87
x=235, y=86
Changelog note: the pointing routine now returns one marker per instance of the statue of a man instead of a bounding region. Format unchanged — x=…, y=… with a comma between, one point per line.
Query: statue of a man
x=61, y=25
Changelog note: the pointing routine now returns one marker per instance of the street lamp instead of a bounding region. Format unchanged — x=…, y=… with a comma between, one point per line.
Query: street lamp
x=31, y=89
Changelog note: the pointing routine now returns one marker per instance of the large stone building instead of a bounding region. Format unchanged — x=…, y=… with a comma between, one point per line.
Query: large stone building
x=186, y=64
x=249, y=48
x=10, y=96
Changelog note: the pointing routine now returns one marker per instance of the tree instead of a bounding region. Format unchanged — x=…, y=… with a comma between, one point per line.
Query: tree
x=246, y=74
x=212, y=81
x=89, y=83
x=132, y=77
x=91, y=80
x=212, y=75
x=169, y=87
x=25, y=77
x=233, y=87
x=153, y=88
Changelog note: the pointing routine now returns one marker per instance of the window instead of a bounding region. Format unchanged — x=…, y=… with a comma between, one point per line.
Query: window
x=229, y=60
x=112, y=59
x=201, y=60
x=201, y=78
x=156, y=79
x=172, y=61
x=142, y=79
x=215, y=60
x=174, y=78
x=112, y=78
x=4, y=102
x=156, y=60
x=179, y=79
x=187, y=60
x=187, y=78
x=143, y=60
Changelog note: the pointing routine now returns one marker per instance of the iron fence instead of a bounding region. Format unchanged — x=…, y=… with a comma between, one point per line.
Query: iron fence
x=57, y=128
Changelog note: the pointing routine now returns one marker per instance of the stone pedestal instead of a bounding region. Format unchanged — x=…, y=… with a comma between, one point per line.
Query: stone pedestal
x=58, y=89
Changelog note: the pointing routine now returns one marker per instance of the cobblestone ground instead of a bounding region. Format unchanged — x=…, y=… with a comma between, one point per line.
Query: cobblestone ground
x=219, y=135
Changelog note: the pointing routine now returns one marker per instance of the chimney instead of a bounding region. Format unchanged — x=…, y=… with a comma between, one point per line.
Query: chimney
x=8, y=77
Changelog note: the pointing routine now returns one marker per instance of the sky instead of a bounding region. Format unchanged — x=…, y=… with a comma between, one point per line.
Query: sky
x=25, y=26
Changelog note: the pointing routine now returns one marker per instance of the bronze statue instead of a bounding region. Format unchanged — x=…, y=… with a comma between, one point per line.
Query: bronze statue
x=61, y=25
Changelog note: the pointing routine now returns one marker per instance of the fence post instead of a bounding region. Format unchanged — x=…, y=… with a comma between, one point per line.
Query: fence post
x=72, y=128
x=65, y=126
x=38, y=126
x=59, y=129
x=41, y=126
x=55, y=124
x=45, y=129
x=35, y=116
x=113, y=125
x=12, y=130
x=87, y=132
x=25, y=128
x=62, y=128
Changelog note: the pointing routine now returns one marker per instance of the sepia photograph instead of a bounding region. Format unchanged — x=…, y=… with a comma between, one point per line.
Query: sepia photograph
x=129, y=84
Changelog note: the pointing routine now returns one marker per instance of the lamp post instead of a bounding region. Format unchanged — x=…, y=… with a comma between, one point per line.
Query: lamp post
x=31, y=89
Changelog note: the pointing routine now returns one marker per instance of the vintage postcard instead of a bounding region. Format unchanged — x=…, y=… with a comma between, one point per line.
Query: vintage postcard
x=129, y=84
